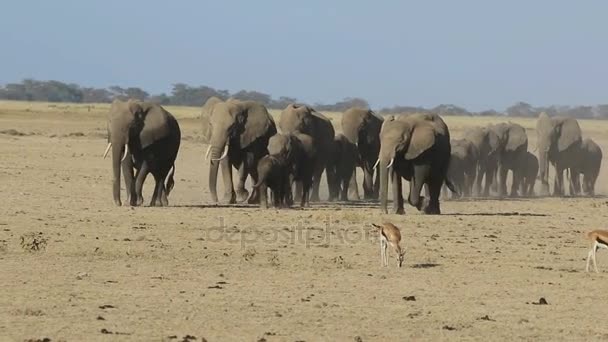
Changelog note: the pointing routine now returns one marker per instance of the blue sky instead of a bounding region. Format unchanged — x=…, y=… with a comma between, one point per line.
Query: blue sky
x=473, y=53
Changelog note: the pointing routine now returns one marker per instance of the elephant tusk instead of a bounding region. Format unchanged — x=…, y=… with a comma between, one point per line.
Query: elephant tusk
x=126, y=151
x=105, y=154
x=171, y=172
x=208, y=151
x=391, y=163
x=223, y=155
x=376, y=164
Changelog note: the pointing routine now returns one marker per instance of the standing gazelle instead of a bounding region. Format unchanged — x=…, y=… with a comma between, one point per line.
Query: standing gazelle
x=389, y=235
x=599, y=239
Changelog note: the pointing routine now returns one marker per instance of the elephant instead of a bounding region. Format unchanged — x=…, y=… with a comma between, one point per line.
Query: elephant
x=144, y=136
x=462, y=170
x=272, y=173
x=529, y=172
x=241, y=129
x=486, y=143
x=340, y=167
x=304, y=119
x=417, y=148
x=206, y=116
x=589, y=164
x=362, y=128
x=512, y=148
x=559, y=142
x=297, y=151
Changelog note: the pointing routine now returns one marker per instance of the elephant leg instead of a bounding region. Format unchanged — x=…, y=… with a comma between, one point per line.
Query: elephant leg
x=316, y=183
x=368, y=181
x=298, y=191
x=305, y=202
x=129, y=177
x=140, y=178
x=158, y=190
x=576, y=184
x=501, y=181
x=255, y=196
x=241, y=193
x=398, y=207
x=263, y=193
x=229, y=194
x=421, y=173
x=162, y=199
x=433, y=206
x=353, y=187
x=333, y=185
x=489, y=175
x=559, y=181
x=515, y=184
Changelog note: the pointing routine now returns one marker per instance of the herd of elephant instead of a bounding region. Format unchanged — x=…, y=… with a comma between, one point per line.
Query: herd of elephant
x=481, y=160
x=145, y=138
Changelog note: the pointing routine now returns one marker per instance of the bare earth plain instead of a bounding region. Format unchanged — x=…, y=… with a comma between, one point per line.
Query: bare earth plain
x=73, y=267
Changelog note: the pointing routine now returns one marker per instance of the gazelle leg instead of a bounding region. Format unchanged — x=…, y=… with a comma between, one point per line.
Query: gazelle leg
x=381, y=253
x=594, y=259
x=589, y=255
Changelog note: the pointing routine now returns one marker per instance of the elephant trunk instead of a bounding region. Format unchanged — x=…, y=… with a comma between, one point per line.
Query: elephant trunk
x=214, y=166
x=384, y=170
x=117, y=156
x=543, y=172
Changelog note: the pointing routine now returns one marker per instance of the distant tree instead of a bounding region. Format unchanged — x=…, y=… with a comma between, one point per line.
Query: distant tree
x=403, y=110
x=343, y=105
x=489, y=112
x=449, y=109
x=94, y=95
x=282, y=102
x=161, y=99
x=522, y=109
x=136, y=93
x=245, y=95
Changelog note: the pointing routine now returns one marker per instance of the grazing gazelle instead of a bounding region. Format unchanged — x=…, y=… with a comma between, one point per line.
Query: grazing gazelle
x=389, y=235
x=599, y=239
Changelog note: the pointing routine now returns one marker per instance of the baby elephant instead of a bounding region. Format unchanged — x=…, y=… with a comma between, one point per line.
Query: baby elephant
x=273, y=174
x=341, y=167
x=291, y=158
x=529, y=173
x=589, y=165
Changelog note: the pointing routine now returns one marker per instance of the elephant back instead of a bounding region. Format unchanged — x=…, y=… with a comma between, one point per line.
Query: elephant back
x=569, y=133
x=158, y=124
x=358, y=121
x=517, y=138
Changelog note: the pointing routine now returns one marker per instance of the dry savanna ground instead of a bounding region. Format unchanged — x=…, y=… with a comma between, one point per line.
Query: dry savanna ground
x=76, y=268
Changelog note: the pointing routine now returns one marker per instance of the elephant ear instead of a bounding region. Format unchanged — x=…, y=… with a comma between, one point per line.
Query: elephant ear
x=423, y=138
x=570, y=133
x=257, y=122
x=516, y=139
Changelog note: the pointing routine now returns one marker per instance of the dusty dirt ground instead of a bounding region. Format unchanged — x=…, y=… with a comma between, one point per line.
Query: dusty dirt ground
x=195, y=270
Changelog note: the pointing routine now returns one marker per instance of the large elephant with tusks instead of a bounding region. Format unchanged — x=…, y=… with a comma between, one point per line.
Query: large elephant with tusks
x=417, y=148
x=241, y=130
x=143, y=136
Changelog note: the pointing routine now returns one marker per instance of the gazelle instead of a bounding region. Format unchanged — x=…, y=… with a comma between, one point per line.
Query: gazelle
x=599, y=239
x=389, y=235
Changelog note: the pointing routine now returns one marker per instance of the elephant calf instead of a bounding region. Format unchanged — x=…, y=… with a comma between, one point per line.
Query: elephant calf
x=529, y=172
x=463, y=166
x=272, y=173
x=589, y=165
x=291, y=158
x=340, y=167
